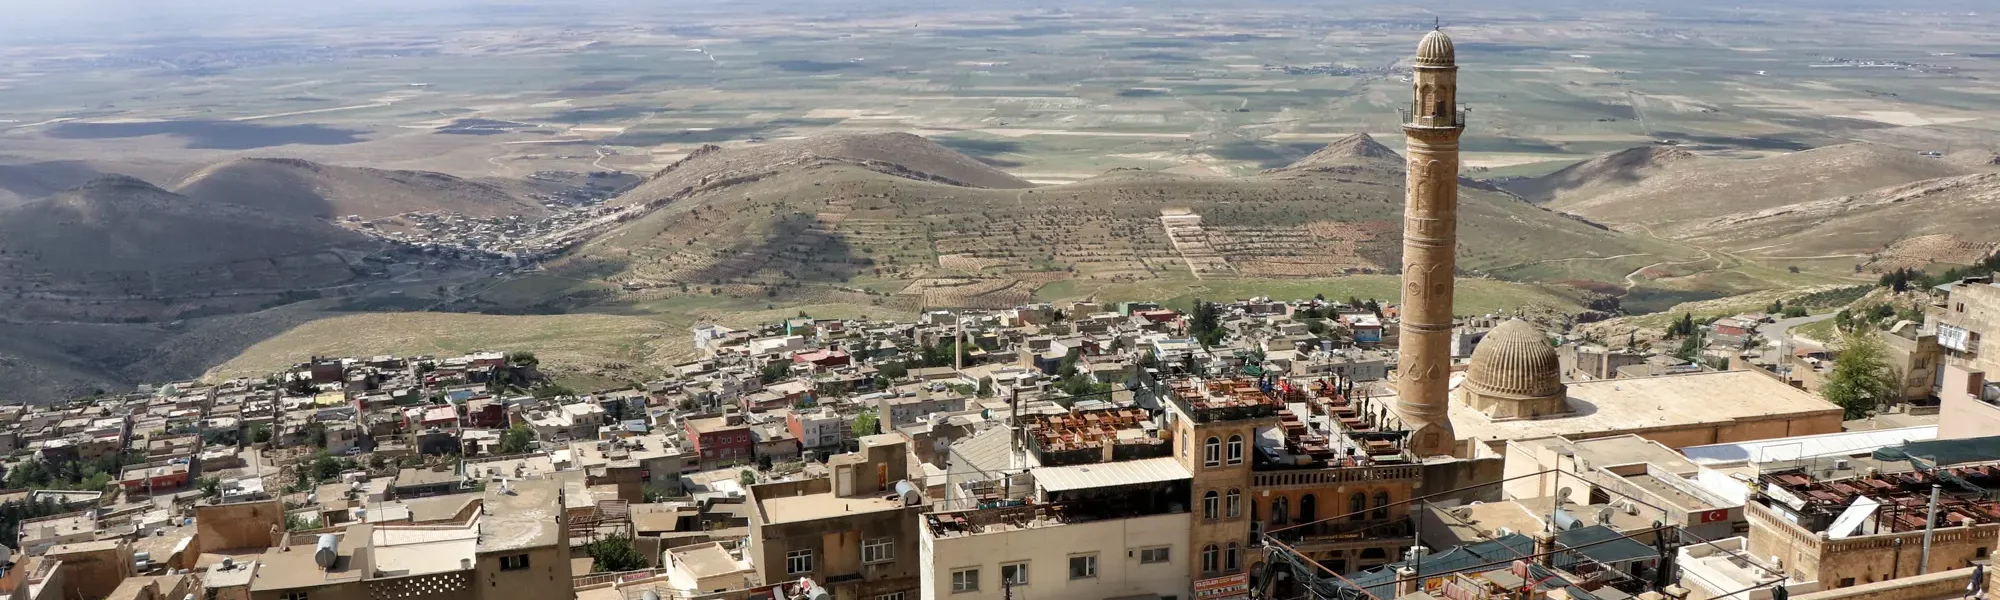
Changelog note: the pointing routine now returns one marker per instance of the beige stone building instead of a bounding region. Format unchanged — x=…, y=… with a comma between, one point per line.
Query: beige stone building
x=1513, y=390
x=1214, y=427
x=1968, y=403
x=854, y=532
x=515, y=546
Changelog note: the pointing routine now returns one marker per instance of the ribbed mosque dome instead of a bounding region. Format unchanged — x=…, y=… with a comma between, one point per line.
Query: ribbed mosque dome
x=1515, y=360
x=1435, y=50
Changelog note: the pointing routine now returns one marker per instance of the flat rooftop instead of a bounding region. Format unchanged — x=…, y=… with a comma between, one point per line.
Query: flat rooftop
x=525, y=518
x=813, y=507
x=1614, y=406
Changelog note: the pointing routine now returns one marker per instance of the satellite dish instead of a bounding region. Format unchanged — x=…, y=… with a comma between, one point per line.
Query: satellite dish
x=1604, y=515
x=1562, y=496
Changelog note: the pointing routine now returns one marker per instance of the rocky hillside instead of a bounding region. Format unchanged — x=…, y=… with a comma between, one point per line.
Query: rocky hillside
x=119, y=248
x=1358, y=151
x=307, y=189
x=1599, y=175
x=1669, y=193
x=1948, y=219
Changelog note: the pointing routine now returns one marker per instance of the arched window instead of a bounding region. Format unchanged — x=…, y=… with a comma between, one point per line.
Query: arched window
x=1235, y=503
x=1211, y=452
x=1208, y=505
x=1229, y=558
x=1280, y=514
x=1308, y=509
x=1235, y=449
x=1381, y=505
x=1357, y=507
x=1208, y=559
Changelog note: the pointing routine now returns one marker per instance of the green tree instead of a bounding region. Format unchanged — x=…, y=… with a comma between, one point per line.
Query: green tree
x=986, y=387
x=1793, y=312
x=773, y=371
x=1862, y=378
x=517, y=440
x=866, y=423
x=895, y=370
x=211, y=487
x=747, y=478
x=614, y=554
x=522, y=358
x=1205, y=325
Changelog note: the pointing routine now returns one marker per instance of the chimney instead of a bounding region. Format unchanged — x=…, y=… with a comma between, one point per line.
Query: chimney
x=1407, y=582
x=1545, y=548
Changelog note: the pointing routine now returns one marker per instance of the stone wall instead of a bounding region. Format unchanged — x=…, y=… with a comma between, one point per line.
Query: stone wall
x=237, y=525
x=1948, y=584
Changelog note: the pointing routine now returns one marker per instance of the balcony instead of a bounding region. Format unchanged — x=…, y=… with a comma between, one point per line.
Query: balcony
x=1335, y=476
x=1454, y=119
x=1331, y=535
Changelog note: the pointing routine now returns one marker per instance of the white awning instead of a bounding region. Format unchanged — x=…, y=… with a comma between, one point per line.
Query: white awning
x=1846, y=443
x=1130, y=472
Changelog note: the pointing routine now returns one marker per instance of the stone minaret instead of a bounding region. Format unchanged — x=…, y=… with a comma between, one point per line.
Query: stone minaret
x=1432, y=125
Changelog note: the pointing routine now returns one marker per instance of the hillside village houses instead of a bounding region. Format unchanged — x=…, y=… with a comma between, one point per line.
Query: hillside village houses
x=1075, y=450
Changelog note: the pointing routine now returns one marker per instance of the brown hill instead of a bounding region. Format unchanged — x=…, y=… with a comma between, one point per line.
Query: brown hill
x=1669, y=198
x=1949, y=219
x=1600, y=174
x=842, y=225
x=21, y=182
x=1358, y=150
x=118, y=247
x=307, y=189
x=899, y=154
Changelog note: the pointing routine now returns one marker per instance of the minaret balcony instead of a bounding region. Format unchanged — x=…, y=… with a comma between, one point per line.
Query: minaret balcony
x=1452, y=120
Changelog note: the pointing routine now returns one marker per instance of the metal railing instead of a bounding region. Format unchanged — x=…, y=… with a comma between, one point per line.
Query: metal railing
x=1452, y=119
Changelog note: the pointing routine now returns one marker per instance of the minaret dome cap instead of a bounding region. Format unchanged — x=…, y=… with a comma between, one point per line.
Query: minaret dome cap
x=1435, y=50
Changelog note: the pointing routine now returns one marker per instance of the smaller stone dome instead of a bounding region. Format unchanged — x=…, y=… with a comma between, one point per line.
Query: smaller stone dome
x=1436, y=51
x=1515, y=374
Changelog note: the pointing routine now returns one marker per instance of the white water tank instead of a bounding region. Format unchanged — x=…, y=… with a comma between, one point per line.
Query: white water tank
x=326, y=551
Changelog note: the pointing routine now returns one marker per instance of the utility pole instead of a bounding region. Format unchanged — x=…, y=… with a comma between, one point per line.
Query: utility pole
x=1930, y=527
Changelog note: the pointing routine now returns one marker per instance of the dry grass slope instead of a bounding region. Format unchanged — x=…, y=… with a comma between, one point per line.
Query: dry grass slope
x=1670, y=197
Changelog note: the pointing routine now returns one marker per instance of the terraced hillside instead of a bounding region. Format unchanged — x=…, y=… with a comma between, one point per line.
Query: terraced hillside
x=775, y=220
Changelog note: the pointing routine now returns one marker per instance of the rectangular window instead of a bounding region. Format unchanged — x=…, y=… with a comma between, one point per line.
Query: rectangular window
x=878, y=550
x=293, y=596
x=1211, y=453
x=1083, y=566
x=1154, y=555
x=889, y=596
x=965, y=580
x=1235, y=451
x=1014, y=574
x=514, y=563
x=798, y=562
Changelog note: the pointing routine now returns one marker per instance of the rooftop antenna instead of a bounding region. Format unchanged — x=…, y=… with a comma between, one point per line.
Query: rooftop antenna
x=1437, y=23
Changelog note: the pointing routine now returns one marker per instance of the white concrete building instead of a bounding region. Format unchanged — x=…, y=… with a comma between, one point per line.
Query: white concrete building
x=1118, y=539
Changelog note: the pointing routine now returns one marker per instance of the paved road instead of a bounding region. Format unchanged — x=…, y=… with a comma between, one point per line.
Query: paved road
x=1780, y=330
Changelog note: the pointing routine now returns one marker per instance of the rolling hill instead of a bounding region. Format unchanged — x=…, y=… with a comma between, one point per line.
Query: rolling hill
x=1670, y=193
x=120, y=248
x=1852, y=205
x=790, y=220
x=896, y=154
x=307, y=189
